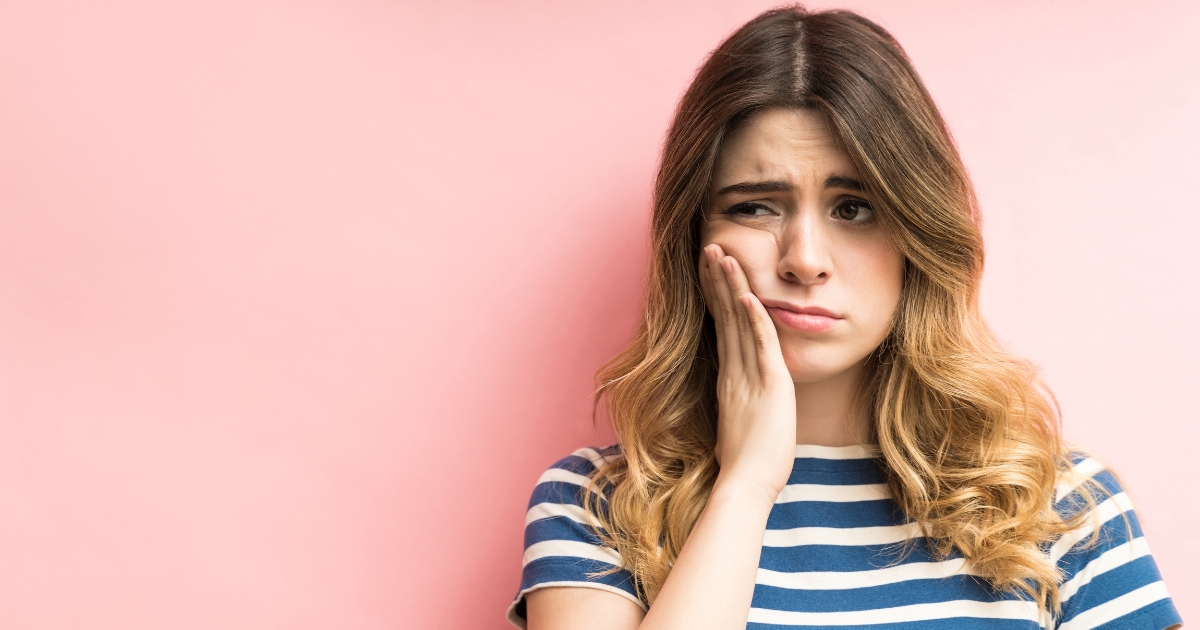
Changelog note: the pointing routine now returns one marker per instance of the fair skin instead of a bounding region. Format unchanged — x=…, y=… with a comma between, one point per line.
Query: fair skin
x=788, y=230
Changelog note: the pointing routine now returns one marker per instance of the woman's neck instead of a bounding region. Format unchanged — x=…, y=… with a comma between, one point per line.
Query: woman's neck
x=826, y=414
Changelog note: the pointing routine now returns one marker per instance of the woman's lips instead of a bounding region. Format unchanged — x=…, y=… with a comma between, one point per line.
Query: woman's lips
x=810, y=319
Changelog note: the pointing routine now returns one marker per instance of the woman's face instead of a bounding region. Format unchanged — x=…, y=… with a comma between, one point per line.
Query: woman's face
x=787, y=203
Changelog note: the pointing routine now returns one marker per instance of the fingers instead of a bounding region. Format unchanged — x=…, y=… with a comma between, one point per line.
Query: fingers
x=736, y=336
x=739, y=287
x=746, y=335
x=726, y=317
x=710, y=299
x=766, y=338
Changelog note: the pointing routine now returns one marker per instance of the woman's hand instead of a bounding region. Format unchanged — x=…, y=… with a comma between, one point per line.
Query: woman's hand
x=711, y=584
x=756, y=430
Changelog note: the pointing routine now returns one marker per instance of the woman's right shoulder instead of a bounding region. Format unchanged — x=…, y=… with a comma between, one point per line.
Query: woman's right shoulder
x=565, y=478
x=585, y=461
x=563, y=547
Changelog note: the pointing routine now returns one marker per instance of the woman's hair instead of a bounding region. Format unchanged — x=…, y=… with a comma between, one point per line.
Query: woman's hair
x=968, y=439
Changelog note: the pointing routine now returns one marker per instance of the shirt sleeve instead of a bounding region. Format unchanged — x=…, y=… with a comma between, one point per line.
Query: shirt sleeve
x=561, y=548
x=1110, y=580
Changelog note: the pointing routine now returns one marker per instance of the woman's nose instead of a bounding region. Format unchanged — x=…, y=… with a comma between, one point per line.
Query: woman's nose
x=804, y=255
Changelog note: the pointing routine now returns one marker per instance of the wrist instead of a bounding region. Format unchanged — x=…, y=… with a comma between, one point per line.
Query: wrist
x=746, y=493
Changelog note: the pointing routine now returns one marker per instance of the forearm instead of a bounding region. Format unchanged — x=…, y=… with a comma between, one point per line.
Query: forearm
x=712, y=581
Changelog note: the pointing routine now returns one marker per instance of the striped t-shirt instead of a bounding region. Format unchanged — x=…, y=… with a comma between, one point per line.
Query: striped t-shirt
x=833, y=556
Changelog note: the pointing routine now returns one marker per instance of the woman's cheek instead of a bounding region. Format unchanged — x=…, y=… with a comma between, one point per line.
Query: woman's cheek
x=884, y=278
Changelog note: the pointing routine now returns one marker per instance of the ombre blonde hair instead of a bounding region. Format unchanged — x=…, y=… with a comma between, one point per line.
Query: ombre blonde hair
x=968, y=439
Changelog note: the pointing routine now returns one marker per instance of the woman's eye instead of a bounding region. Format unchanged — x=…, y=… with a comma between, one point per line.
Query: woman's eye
x=854, y=211
x=749, y=209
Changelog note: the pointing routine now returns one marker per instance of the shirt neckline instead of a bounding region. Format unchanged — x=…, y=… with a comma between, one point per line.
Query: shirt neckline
x=855, y=451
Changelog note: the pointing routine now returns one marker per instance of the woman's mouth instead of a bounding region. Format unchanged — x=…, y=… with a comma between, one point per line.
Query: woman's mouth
x=810, y=319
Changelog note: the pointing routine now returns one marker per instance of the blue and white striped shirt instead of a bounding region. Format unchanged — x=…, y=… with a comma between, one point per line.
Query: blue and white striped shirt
x=830, y=556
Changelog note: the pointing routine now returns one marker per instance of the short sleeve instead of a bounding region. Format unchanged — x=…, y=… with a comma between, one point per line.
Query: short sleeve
x=1110, y=580
x=561, y=548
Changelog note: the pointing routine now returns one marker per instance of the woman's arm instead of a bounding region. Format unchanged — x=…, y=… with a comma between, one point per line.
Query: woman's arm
x=712, y=581
x=710, y=585
x=577, y=608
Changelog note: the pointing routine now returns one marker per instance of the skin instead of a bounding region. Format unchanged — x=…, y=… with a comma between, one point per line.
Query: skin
x=806, y=239
x=815, y=243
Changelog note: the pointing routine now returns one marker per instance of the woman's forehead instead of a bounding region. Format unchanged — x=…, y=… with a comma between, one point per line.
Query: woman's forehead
x=794, y=145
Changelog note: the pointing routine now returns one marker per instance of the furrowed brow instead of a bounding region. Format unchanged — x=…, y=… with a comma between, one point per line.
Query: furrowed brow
x=841, y=181
x=756, y=187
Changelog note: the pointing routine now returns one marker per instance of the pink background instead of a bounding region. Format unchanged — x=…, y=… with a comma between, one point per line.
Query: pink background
x=298, y=298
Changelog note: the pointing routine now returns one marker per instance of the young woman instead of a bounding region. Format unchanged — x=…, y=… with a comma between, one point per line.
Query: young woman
x=815, y=427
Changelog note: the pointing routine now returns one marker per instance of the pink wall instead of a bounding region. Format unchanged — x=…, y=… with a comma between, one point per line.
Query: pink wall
x=298, y=298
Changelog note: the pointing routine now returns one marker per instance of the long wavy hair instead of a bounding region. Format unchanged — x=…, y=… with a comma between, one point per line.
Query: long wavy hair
x=968, y=438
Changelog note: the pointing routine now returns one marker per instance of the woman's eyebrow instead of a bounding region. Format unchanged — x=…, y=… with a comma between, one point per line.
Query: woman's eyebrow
x=841, y=181
x=833, y=181
x=757, y=187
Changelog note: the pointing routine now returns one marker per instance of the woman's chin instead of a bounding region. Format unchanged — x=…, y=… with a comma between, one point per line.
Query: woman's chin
x=815, y=369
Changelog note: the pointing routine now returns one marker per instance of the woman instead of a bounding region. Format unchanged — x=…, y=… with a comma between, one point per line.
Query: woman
x=815, y=427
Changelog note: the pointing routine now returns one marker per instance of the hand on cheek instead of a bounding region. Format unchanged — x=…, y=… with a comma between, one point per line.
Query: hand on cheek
x=756, y=426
